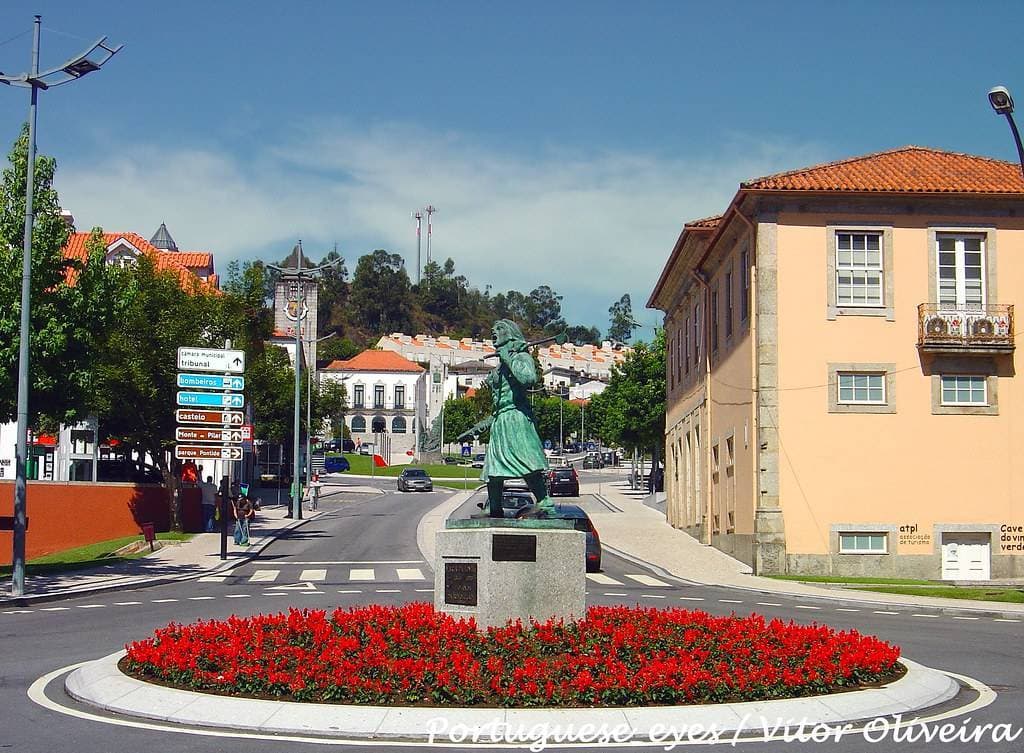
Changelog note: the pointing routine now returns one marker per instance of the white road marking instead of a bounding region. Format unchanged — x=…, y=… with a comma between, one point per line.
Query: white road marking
x=19, y=611
x=409, y=573
x=924, y=615
x=55, y=609
x=616, y=594
x=651, y=596
x=768, y=604
x=213, y=579
x=602, y=579
x=200, y=598
x=238, y=596
x=361, y=574
x=274, y=593
x=295, y=587
x=265, y=576
x=350, y=591
x=691, y=598
x=1003, y=619
x=163, y=601
x=647, y=580
x=729, y=601
x=805, y=606
x=91, y=606
x=389, y=590
x=431, y=590
x=308, y=575
x=966, y=618
x=882, y=611
x=126, y=603
x=846, y=609
x=358, y=562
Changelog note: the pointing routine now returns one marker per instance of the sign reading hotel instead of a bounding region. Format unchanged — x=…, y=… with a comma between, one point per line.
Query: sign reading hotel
x=211, y=399
x=212, y=359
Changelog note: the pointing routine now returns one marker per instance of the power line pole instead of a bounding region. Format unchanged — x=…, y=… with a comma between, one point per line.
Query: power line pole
x=429, y=209
x=418, y=216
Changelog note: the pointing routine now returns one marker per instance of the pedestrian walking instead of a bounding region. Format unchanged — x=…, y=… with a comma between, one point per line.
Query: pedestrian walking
x=209, y=502
x=244, y=513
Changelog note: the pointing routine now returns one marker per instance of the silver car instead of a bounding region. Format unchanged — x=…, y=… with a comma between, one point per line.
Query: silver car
x=415, y=480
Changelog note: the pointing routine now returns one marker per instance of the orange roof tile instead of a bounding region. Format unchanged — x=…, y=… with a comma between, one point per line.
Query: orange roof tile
x=194, y=259
x=704, y=223
x=165, y=260
x=375, y=360
x=909, y=169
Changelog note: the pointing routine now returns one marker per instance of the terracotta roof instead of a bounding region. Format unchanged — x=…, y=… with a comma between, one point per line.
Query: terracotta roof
x=165, y=260
x=909, y=169
x=707, y=223
x=375, y=360
x=195, y=259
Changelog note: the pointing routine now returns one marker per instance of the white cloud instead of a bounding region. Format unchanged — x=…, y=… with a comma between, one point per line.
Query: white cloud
x=592, y=224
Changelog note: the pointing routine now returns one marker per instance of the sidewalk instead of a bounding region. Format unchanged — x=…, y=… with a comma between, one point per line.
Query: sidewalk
x=640, y=532
x=192, y=559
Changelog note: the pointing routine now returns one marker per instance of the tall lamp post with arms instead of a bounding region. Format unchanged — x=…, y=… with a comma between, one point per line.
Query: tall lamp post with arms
x=1001, y=101
x=73, y=69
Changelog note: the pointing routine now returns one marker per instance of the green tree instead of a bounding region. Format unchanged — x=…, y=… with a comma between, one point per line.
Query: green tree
x=72, y=303
x=333, y=297
x=621, y=320
x=330, y=401
x=631, y=411
x=459, y=415
x=581, y=335
x=380, y=295
x=337, y=349
x=544, y=311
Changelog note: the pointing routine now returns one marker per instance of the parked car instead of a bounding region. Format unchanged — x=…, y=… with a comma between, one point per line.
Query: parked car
x=515, y=485
x=348, y=445
x=336, y=464
x=366, y=448
x=593, y=460
x=478, y=460
x=581, y=522
x=563, y=482
x=513, y=502
x=415, y=479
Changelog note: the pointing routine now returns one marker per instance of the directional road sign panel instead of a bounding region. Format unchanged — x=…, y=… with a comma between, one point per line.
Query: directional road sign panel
x=212, y=399
x=209, y=417
x=198, y=434
x=207, y=452
x=211, y=382
x=212, y=359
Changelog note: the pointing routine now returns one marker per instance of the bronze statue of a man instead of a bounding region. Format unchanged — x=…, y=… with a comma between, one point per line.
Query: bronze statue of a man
x=514, y=450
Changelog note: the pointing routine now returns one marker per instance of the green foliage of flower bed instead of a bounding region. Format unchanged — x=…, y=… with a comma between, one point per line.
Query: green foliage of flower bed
x=412, y=655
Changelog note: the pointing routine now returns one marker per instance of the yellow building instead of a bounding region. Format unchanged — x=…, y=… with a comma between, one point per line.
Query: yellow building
x=841, y=386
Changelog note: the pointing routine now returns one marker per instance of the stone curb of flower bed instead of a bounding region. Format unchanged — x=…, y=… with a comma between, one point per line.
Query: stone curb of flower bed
x=102, y=684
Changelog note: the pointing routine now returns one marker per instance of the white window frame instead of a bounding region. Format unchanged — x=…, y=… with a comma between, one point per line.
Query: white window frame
x=959, y=302
x=960, y=403
x=861, y=269
x=839, y=387
x=860, y=550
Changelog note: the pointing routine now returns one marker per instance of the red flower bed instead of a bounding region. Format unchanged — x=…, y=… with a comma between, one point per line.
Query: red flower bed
x=414, y=655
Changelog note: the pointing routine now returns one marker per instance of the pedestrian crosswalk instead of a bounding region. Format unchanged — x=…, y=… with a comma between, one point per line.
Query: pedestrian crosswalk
x=362, y=573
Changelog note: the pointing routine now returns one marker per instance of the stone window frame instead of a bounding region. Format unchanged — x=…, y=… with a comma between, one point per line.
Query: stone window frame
x=989, y=233
x=888, y=370
x=889, y=530
x=950, y=365
x=888, y=307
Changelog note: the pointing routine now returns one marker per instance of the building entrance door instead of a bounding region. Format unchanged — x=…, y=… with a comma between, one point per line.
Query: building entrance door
x=966, y=556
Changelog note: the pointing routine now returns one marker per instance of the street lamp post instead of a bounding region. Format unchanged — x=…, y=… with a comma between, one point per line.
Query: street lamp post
x=1001, y=101
x=73, y=69
x=309, y=409
x=300, y=300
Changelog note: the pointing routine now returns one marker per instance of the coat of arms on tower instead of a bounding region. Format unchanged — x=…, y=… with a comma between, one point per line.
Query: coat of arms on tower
x=294, y=312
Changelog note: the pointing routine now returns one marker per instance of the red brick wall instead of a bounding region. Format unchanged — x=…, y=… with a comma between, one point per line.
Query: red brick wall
x=63, y=515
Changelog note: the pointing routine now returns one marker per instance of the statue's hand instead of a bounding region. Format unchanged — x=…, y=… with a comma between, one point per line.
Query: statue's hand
x=464, y=436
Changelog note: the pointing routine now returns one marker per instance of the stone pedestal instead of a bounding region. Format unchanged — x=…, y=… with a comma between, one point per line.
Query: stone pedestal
x=496, y=571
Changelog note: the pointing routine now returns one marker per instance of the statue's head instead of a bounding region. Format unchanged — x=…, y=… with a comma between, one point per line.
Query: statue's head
x=507, y=331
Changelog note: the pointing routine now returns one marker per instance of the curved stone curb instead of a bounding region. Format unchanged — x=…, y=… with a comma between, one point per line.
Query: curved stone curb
x=101, y=684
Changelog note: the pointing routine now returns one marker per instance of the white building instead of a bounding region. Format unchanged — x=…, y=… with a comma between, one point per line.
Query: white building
x=387, y=398
x=561, y=365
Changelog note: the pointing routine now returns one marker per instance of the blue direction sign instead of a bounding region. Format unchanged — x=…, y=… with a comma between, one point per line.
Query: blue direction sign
x=211, y=382
x=211, y=399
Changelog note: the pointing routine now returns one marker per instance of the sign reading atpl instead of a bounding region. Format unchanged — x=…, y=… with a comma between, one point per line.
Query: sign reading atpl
x=212, y=359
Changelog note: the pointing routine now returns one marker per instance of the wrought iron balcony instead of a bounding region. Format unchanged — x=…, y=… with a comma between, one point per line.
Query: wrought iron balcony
x=975, y=328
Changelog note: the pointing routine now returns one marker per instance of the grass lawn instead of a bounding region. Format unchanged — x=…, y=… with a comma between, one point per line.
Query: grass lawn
x=1011, y=595
x=360, y=466
x=92, y=555
x=853, y=580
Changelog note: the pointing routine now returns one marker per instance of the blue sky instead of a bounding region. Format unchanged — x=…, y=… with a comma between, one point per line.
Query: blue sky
x=563, y=143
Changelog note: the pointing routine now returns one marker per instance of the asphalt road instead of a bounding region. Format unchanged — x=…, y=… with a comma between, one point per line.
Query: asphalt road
x=363, y=550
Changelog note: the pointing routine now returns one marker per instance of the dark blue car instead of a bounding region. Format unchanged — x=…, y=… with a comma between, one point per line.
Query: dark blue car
x=336, y=464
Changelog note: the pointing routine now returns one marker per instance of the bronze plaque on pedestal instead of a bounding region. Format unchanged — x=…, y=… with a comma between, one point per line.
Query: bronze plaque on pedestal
x=460, y=583
x=513, y=548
